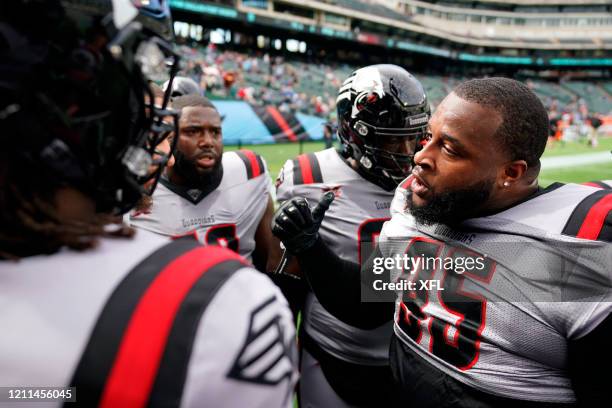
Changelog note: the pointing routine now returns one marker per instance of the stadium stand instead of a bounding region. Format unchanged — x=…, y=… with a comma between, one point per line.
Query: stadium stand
x=310, y=87
x=596, y=98
x=559, y=47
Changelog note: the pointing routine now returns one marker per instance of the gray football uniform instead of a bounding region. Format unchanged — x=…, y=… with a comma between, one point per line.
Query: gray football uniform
x=354, y=218
x=84, y=319
x=228, y=216
x=504, y=328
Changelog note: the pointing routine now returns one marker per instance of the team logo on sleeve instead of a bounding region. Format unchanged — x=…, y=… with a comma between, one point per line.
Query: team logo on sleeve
x=268, y=355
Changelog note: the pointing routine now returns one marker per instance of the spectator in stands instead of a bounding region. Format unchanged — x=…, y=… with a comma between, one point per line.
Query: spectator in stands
x=594, y=122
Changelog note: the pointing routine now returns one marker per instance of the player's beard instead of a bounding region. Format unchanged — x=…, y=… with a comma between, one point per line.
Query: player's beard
x=188, y=171
x=452, y=207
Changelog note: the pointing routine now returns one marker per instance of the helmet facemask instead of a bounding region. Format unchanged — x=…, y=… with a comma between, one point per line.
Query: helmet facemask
x=154, y=56
x=137, y=167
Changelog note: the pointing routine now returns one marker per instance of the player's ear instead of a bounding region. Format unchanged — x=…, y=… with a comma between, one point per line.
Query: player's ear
x=512, y=173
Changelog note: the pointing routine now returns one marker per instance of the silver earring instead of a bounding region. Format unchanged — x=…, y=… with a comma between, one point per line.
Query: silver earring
x=506, y=184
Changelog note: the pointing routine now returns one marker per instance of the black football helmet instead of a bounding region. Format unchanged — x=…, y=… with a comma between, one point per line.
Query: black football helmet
x=383, y=114
x=183, y=86
x=76, y=107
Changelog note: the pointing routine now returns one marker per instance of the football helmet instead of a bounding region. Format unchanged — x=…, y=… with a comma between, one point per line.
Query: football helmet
x=383, y=114
x=75, y=96
x=182, y=86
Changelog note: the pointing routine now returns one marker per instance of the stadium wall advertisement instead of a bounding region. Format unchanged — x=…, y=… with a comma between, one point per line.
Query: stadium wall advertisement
x=243, y=123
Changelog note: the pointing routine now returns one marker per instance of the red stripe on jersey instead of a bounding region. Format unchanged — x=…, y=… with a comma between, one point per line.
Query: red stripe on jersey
x=306, y=169
x=282, y=123
x=253, y=160
x=135, y=367
x=193, y=234
x=594, y=221
x=588, y=183
x=407, y=183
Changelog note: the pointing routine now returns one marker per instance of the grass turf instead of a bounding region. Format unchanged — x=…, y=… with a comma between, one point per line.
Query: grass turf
x=569, y=148
x=579, y=174
x=277, y=154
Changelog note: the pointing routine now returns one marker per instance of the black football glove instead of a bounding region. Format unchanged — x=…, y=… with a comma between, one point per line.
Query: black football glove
x=296, y=225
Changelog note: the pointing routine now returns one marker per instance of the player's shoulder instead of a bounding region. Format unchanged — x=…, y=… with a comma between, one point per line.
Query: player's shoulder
x=242, y=166
x=160, y=254
x=157, y=253
x=303, y=169
x=253, y=360
x=604, y=184
x=111, y=258
x=324, y=166
x=591, y=217
x=580, y=211
x=575, y=210
x=254, y=287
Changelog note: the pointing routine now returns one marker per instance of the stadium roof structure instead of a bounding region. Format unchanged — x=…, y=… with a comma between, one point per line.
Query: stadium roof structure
x=482, y=35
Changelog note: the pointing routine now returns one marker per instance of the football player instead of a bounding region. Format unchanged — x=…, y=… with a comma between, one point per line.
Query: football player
x=382, y=114
x=221, y=198
x=124, y=320
x=520, y=316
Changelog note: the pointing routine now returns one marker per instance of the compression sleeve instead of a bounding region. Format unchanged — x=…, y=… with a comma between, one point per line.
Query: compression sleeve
x=588, y=359
x=338, y=287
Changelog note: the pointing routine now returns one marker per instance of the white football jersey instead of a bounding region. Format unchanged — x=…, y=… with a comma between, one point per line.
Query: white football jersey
x=354, y=219
x=147, y=321
x=228, y=216
x=539, y=276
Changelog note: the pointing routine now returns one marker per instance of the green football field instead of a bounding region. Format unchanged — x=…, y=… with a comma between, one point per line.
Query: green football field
x=277, y=154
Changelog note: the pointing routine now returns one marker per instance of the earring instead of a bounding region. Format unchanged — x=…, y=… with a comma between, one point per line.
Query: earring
x=506, y=184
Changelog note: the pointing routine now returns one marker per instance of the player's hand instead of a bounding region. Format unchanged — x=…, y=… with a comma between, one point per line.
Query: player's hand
x=296, y=225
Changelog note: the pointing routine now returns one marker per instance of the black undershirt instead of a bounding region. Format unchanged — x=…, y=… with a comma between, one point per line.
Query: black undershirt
x=337, y=285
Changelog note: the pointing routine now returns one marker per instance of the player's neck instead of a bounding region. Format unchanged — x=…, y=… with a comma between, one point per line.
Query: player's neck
x=508, y=199
x=175, y=177
x=206, y=183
